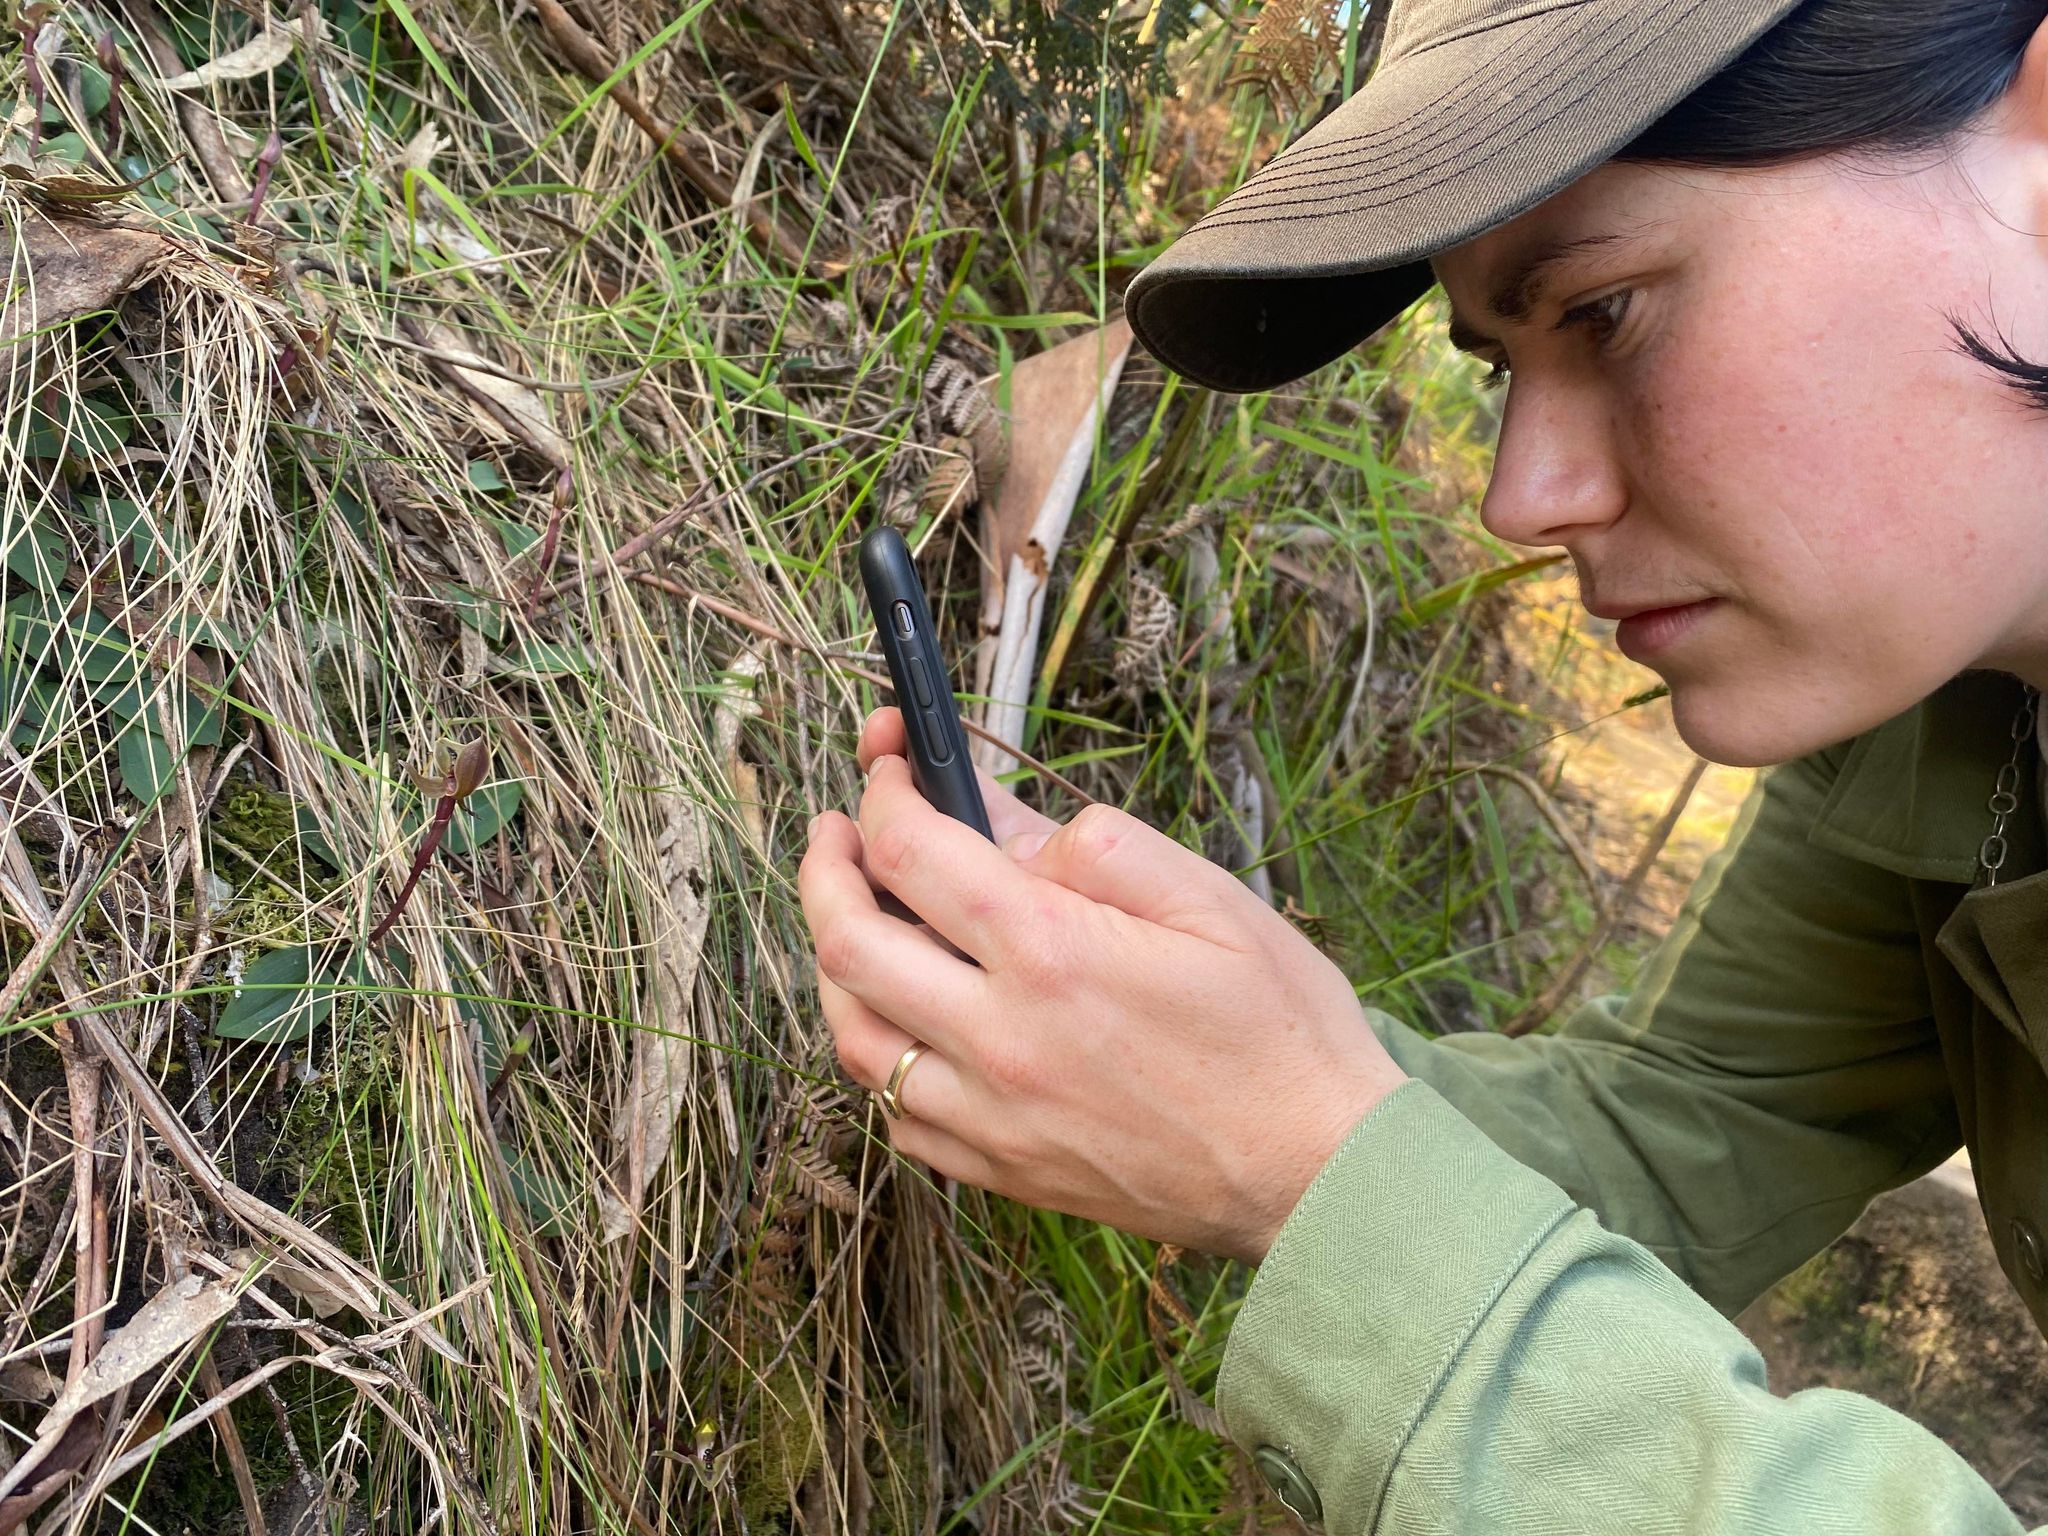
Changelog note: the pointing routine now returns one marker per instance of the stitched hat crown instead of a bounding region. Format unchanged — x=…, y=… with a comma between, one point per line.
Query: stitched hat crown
x=1413, y=25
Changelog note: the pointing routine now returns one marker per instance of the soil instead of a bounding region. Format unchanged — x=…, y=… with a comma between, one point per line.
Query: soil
x=1911, y=1308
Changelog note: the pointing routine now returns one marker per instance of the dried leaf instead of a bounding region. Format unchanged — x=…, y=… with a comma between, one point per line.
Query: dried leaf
x=663, y=1057
x=512, y=404
x=63, y=269
x=324, y=1294
x=167, y=1322
x=259, y=56
x=817, y=1177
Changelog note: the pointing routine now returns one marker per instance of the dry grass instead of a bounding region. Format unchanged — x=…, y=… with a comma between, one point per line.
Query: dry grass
x=525, y=413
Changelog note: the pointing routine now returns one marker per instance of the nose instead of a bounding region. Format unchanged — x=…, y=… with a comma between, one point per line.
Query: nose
x=1555, y=473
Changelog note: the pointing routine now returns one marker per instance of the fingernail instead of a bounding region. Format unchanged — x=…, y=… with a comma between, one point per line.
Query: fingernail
x=1023, y=847
x=811, y=827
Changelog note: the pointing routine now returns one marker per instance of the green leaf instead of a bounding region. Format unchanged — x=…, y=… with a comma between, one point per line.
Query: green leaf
x=152, y=547
x=350, y=506
x=312, y=838
x=214, y=634
x=483, y=474
x=546, y=658
x=483, y=815
x=427, y=50
x=39, y=554
x=93, y=90
x=801, y=140
x=1497, y=848
x=35, y=698
x=64, y=146
x=82, y=429
x=279, y=1000
x=33, y=627
x=548, y=1203
x=136, y=700
x=516, y=537
x=483, y=614
x=147, y=767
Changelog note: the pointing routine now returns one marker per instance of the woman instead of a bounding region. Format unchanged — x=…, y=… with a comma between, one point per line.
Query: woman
x=1767, y=276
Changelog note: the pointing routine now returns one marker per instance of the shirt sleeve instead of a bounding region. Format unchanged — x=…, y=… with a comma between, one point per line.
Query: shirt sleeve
x=1441, y=1341
x=1776, y=1066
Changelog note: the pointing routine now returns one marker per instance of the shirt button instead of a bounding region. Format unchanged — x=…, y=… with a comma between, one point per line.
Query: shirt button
x=2026, y=1242
x=1288, y=1484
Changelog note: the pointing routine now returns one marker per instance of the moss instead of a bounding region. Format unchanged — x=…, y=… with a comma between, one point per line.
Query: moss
x=255, y=819
x=897, y=1472
x=781, y=1447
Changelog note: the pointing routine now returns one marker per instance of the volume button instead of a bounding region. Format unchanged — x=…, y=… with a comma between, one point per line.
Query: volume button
x=920, y=685
x=935, y=733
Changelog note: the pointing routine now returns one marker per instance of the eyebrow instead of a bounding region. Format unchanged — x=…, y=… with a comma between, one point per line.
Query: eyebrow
x=1523, y=285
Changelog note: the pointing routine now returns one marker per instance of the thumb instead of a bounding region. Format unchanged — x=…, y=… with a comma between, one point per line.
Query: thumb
x=1111, y=857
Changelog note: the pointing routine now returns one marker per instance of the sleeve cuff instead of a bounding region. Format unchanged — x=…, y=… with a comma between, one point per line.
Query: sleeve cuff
x=1378, y=1278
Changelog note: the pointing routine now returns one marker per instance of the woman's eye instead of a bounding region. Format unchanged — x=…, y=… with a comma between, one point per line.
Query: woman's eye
x=1601, y=318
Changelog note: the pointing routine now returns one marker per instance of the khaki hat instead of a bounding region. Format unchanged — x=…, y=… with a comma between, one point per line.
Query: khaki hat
x=1478, y=111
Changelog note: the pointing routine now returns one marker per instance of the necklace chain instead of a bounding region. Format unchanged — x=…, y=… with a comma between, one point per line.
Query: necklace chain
x=2005, y=797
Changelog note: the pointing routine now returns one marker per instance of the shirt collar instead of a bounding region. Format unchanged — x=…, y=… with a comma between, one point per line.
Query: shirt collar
x=1912, y=795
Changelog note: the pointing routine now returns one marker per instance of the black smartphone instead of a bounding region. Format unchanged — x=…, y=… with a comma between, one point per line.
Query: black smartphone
x=939, y=764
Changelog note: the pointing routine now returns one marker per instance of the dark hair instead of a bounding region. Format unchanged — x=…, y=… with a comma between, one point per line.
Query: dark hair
x=1861, y=76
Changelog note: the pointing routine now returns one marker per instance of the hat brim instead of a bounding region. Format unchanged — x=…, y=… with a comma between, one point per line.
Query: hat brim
x=1448, y=140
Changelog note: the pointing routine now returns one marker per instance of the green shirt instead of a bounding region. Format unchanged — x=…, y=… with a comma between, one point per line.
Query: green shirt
x=1502, y=1305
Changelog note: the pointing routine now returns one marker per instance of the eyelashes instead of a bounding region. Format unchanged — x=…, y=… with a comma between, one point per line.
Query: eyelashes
x=1601, y=319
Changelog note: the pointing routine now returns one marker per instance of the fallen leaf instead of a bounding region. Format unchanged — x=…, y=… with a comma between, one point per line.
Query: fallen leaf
x=323, y=1294
x=167, y=1322
x=644, y=1125
x=259, y=56
x=64, y=268
x=514, y=405
x=1056, y=399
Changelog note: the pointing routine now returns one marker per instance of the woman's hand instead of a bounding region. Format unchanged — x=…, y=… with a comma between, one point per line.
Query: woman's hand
x=1145, y=1042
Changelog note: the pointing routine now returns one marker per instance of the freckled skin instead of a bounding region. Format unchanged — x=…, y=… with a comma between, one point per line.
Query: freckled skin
x=1781, y=420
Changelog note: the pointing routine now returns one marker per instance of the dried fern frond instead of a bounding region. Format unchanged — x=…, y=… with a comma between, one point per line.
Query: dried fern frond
x=1151, y=623
x=1289, y=47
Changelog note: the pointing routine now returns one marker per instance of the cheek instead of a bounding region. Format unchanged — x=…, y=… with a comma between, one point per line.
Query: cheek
x=1771, y=436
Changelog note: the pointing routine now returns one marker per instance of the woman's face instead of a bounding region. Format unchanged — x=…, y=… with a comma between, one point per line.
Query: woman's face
x=1743, y=389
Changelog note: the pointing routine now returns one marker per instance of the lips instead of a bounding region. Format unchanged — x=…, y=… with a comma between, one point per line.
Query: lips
x=1620, y=611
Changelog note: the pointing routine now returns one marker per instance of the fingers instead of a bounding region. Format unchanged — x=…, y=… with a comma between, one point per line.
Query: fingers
x=900, y=972
x=869, y=1046
x=1113, y=858
x=883, y=736
x=944, y=1153
x=966, y=887
x=932, y=1094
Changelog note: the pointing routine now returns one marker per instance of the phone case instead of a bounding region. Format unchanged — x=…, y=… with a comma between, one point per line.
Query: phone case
x=939, y=765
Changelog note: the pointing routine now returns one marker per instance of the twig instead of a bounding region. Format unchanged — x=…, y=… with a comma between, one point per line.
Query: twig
x=582, y=51
x=699, y=501
x=762, y=627
x=1560, y=988
x=475, y=364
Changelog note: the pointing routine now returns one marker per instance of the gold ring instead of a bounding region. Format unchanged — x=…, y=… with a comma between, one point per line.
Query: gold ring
x=892, y=1099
